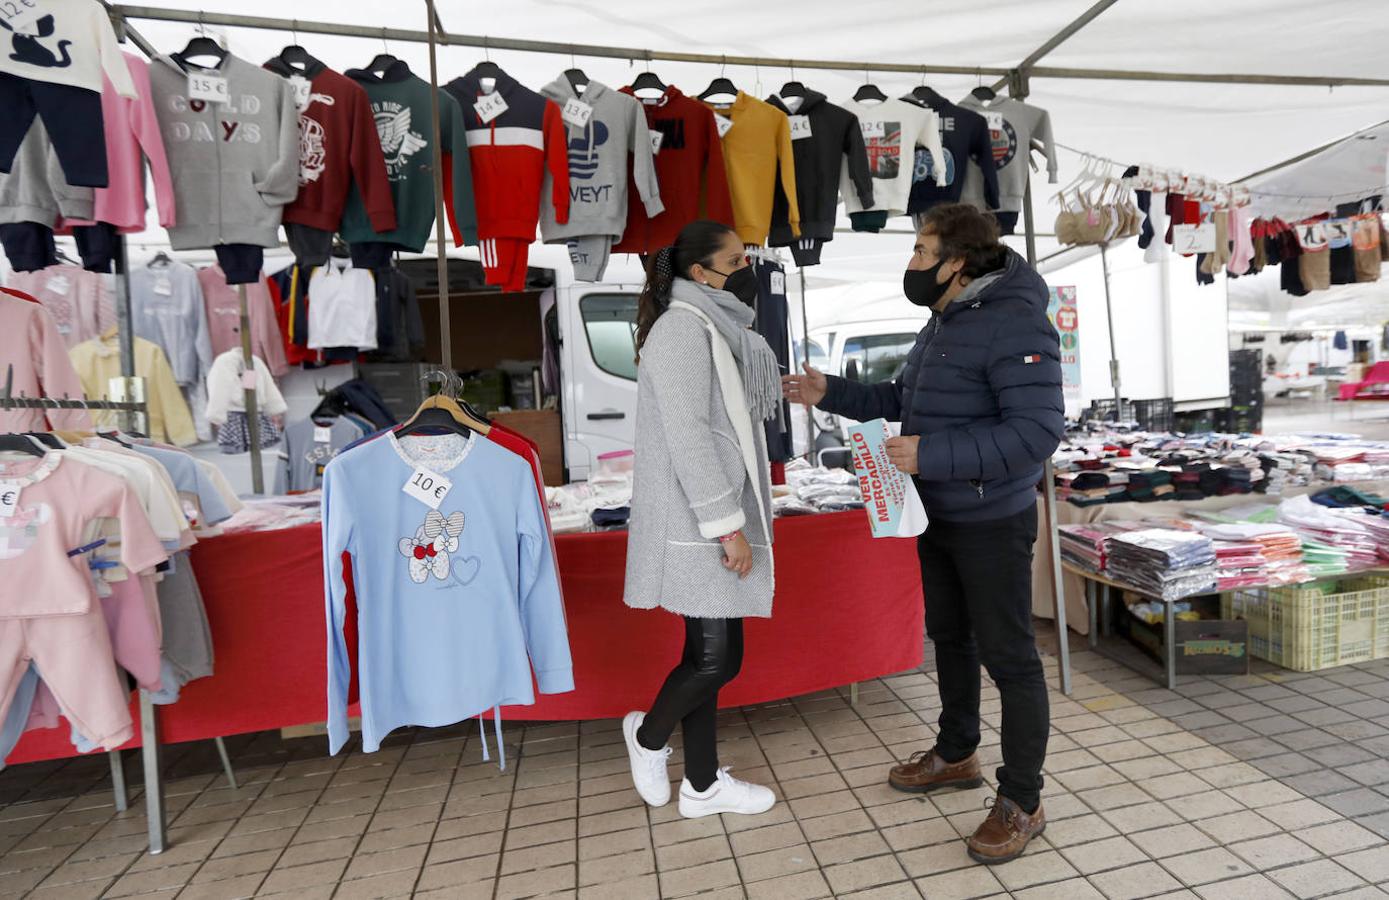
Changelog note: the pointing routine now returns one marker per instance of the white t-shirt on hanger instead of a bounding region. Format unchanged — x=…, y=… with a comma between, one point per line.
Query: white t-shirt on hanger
x=342, y=307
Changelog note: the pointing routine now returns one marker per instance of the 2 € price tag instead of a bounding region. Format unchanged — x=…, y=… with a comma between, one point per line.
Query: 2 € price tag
x=59, y=285
x=489, y=106
x=724, y=123
x=9, y=500
x=163, y=287
x=656, y=138
x=322, y=434
x=212, y=88
x=1188, y=239
x=303, y=91
x=576, y=112
x=800, y=127
x=430, y=488
x=19, y=14
x=248, y=380
x=873, y=129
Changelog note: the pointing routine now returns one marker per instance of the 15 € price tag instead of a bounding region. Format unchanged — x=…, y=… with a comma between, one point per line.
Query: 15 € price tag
x=19, y=15
x=489, y=106
x=303, y=90
x=800, y=127
x=724, y=123
x=576, y=112
x=322, y=434
x=656, y=138
x=9, y=500
x=212, y=88
x=430, y=488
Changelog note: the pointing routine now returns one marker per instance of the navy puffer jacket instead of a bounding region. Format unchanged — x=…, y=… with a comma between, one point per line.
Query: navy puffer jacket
x=982, y=387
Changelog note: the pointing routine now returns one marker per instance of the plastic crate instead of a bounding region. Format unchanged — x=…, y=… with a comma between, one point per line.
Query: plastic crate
x=1154, y=415
x=1314, y=626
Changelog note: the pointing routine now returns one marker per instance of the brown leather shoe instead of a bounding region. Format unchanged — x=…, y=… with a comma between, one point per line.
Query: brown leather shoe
x=926, y=771
x=1006, y=833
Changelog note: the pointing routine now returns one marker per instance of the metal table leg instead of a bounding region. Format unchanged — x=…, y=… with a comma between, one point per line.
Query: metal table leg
x=1092, y=603
x=1169, y=625
x=231, y=773
x=853, y=694
x=1106, y=611
x=154, y=787
x=122, y=799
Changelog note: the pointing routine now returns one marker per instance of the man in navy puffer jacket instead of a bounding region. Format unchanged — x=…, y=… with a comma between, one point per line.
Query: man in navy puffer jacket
x=981, y=410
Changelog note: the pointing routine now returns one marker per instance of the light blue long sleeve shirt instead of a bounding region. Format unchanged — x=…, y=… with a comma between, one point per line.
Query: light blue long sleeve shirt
x=455, y=605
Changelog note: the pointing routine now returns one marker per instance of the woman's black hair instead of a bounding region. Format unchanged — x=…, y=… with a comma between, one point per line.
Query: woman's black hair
x=966, y=233
x=697, y=242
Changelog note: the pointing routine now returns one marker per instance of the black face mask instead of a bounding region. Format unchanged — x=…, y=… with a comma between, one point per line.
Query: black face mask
x=920, y=285
x=741, y=283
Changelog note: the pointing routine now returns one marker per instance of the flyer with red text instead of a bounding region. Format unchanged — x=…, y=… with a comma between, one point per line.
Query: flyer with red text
x=894, y=508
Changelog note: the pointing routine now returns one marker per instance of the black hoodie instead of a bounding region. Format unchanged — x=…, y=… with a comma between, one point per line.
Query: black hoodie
x=834, y=135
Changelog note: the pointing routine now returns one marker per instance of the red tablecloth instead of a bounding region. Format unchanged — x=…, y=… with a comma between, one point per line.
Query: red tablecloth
x=848, y=608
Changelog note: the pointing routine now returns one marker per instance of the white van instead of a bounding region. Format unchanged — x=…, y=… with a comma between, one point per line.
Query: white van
x=867, y=351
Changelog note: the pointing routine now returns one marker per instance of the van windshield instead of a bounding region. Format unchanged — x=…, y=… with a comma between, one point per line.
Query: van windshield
x=880, y=357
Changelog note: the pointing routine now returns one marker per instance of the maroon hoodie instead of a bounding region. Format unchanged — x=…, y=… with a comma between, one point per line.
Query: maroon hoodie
x=689, y=171
x=338, y=145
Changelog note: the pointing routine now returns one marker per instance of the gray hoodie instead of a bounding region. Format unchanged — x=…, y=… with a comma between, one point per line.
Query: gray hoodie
x=1022, y=126
x=234, y=165
x=35, y=189
x=598, y=164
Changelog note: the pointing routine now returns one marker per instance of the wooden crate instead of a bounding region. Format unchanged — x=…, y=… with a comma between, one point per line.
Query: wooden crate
x=542, y=426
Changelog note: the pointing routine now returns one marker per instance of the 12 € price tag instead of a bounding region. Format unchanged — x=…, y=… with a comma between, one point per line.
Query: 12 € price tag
x=322, y=434
x=212, y=88
x=656, y=138
x=995, y=121
x=9, y=500
x=19, y=15
x=873, y=129
x=430, y=488
x=800, y=127
x=303, y=90
x=576, y=112
x=489, y=106
x=724, y=123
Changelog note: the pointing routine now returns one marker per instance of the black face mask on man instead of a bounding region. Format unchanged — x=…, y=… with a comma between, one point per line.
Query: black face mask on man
x=741, y=283
x=922, y=289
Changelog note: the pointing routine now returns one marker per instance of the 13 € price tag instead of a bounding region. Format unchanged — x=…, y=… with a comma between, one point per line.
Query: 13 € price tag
x=724, y=123
x=656, y=138
x=430, y=488
x=212, y=88
x=489, y=106
x=9, y=500
x=576, y=112
x=800, y=127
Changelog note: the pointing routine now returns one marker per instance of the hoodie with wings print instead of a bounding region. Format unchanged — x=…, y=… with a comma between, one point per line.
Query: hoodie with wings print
x=400, y=104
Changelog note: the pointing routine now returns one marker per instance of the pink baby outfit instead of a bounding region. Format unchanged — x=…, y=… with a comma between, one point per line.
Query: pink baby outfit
x=29, y=340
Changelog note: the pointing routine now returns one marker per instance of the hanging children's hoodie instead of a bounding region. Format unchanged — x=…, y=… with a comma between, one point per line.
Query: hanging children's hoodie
x=892, y=130
x=338, y=147
x=599, y=148
x=511, y=154
x=824, y=139
x=757, y=151
x=132, y=140
x=98, y=361
x=223, y=304
x=30, y=342
x=167, y=308
x=456, y=588
x=964, y=136
x=63, y=42
x=1013, y=126
x=689, y=171
x=235, y=165
x=402, y=109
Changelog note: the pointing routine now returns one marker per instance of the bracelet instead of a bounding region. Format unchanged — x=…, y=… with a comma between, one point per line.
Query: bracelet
x=729, y=538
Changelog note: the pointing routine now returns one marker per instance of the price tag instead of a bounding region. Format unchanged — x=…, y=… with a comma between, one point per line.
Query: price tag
x=1312, y=236
x=873, y=129
x=1187, y=239
x=9, y=500
x=303, y=90
x=576, y=112
x=1338, y=233
x=59, y=285
x=212, y=88
x=489, y=106
x=430, y=488
x=657, y=137
x=322, y=434
x=800, y=127
x=995, y=121
x=19, y=14
x=724, y=123
x=248, y=379
x=163, y=287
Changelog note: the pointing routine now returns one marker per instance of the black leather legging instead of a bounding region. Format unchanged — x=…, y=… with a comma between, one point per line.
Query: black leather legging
x=690, y=696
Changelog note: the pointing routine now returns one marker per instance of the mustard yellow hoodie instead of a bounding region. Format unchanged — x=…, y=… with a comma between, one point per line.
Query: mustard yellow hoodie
x=753, y=148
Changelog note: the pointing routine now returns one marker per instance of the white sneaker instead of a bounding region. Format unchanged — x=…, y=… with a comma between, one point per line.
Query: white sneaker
x=726, y=795
x=648, y=766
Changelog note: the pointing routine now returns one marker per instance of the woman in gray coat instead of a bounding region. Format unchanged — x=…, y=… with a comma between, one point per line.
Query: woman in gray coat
x=700, y=541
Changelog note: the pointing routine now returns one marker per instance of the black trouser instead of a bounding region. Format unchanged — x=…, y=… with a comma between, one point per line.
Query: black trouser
x=977, y=577
x=690, y=697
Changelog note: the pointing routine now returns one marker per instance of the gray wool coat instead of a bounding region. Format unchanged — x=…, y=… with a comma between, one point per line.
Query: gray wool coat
x=691, y=484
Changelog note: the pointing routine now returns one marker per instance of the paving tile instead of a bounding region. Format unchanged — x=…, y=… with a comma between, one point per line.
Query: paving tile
x=1316, y=879
x=1071, y=889
x=1134, y=882
x=696, y=879
x=1079, y=829
x=1033, y=868
x=1102, y=855
x=776, y=863
x=1372, y=864
x=803, y=886
x=961, y=884
x=1238, y=826
x=1338, y=837
x=298, y=877
x=1172, y=840
x=1275, y=850
x=863, y=873
x=1298, y=814
x=1248, y=887
x=1153, y=814
x=1204, y=866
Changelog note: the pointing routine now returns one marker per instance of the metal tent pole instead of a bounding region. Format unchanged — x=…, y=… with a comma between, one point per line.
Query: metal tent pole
x=445, y=334
x=248, y=383
x=1113, y=353
x=805, y=354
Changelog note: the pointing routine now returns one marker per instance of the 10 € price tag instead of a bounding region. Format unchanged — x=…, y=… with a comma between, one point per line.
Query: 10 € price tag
x=212, y=88
x=724, y=123
x=322, y=434
x=430, y=488
x=800, y=127
x=576, y=112
x=489, y=106
x=9, y=500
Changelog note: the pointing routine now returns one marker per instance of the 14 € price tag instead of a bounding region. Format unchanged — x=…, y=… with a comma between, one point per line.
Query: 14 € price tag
x=9, y=500
x=489, y=106
x=576, y=112
x=724, y=123
x=800, y=127
x=430, y=488
x=212, y=88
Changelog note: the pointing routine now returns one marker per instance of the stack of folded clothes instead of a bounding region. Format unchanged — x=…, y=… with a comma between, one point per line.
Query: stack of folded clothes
x=1148, y=485
x=1164, y=563
x=1087, y=545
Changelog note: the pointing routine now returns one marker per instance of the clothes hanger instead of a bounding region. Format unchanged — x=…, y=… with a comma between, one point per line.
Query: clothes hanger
x=296, y=57
x=340, y=250
x=925, y=94
x=160, y=260
x=442, y=411
x=19, y=443
x=984, y=94
x=720, y=86
x=575, y=76
x=46, y=439
x=201, y=45
x=648, y=81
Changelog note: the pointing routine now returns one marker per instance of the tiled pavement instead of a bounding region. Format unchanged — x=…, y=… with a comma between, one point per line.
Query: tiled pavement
x=1262, y=786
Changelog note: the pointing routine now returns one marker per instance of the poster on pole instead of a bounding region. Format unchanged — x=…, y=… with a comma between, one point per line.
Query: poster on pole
x=1061, y=309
